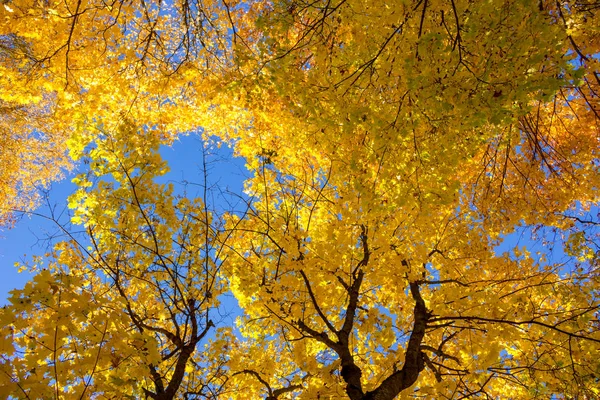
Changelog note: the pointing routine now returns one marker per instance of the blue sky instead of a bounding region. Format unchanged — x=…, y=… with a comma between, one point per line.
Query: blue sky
x=34, y=234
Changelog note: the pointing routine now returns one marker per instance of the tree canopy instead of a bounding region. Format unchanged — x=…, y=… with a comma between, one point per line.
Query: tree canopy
x=392, y=150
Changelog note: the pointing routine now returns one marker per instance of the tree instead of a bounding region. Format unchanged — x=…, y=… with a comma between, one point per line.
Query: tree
x=392, y=150
x=125, y=309
x=71, y=64
x=30, y=159
x=375, y=216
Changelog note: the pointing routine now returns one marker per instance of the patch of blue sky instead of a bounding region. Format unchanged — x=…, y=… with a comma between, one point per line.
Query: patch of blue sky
x=551, y=246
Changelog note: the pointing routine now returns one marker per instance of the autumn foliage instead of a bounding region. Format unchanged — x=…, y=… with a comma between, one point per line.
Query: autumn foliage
x=393, y=150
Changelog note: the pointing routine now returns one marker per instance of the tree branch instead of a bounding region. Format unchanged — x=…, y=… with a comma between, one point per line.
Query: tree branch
x=414, y=361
